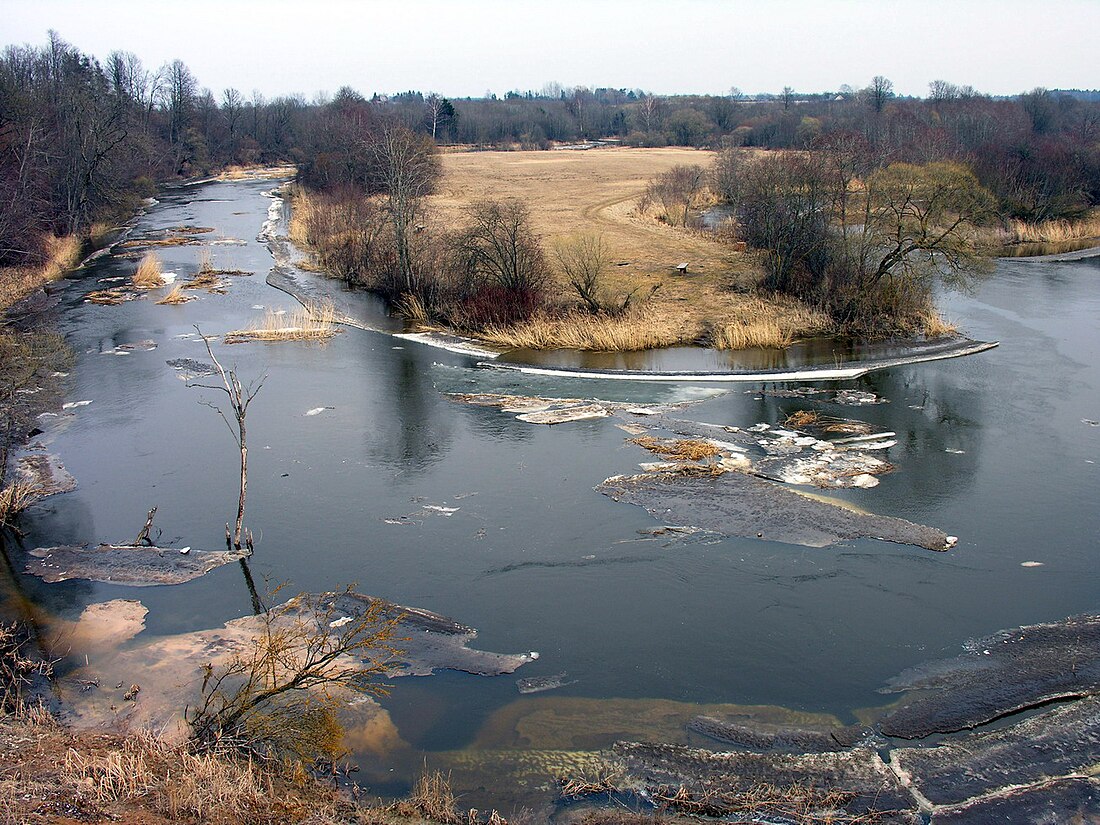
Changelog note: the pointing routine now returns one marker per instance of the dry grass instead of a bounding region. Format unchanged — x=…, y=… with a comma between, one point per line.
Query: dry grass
x=256, y=172
x=596, y=192
x=432, y=798
x=935, y=326
x=176, y=240
x=17, y=497
x=410, y=307
x=62, y=255
x=645, y=328
x=176, y=296
x=1051, y=231
x=204, y=280
x=315, y=322
x=110, y=297
x=687, y=449
x=811, y=419
x=148, y=273
x=1015, y=231
x=774, y=324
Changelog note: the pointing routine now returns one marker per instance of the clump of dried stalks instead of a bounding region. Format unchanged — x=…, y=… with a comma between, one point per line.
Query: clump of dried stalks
x=178, y=782
x=313, y=322
x=679, y=450
x=772, y=324
x=148, y=275
x=933, y=325
x=432, y=798
x=629, y=332
x=17, y=497
x=110, y=297
x=804, y=419
x=176, y=296
x=16, y=669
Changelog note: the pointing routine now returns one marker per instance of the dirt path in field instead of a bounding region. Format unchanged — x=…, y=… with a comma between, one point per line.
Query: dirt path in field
x=596, y=191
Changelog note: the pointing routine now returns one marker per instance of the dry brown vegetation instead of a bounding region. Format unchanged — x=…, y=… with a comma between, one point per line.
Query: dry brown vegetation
x=773, y=323
x=49, y=775
x=148, y=272
x=313, y=322
x=176, y=296
x=643, y=328
x=812, y=419
x=1016, y=231
x=61, y=255
x=596, y=192
x=687, y=449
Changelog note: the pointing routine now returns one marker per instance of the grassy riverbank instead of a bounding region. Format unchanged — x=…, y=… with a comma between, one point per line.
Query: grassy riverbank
x=594, y=193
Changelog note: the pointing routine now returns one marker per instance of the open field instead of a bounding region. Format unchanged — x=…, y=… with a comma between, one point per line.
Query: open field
x=595, y=191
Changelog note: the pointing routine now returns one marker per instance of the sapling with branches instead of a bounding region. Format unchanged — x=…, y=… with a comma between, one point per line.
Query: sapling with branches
x=278, y=694
x=240, y=397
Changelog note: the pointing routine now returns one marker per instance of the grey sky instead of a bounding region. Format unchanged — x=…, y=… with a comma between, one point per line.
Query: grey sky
x=466, y=48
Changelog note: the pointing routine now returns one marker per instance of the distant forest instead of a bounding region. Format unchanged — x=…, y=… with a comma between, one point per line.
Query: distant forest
x=82, y=141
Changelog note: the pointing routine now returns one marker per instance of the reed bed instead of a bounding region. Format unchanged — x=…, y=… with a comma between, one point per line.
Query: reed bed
x=598, y=333
x=934, y=325
x=1015, y=231
x=148, y=275
x=314, y=322
x=772, y=324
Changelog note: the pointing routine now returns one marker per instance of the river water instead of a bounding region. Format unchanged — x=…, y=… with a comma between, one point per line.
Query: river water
x=995, y=448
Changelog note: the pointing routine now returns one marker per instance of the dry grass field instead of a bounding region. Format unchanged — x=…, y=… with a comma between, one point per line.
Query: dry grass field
x=596, y=191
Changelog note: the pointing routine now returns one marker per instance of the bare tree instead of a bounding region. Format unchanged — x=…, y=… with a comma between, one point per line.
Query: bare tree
x=583, y=259
x=239, y=399
x=879, y=93
x=676, y=190
x=407, y=169
x=278, y=695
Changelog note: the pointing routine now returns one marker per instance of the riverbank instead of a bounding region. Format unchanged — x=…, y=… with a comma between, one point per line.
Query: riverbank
x=685, y=287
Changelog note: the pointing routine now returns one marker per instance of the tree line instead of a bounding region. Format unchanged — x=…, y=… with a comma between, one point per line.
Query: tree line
x=82, y=140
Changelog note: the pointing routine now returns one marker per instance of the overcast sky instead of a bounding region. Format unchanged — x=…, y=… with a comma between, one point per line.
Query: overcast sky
x=464, y=49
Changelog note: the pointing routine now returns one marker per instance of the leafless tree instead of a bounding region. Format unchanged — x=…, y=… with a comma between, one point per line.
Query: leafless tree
x=240, y=397
x=583, y=259
x=879, y=93
x=676, y=191
x=407, y=169
x=499, y=247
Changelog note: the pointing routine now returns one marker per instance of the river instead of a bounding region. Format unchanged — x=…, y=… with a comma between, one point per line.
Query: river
x=998, y=448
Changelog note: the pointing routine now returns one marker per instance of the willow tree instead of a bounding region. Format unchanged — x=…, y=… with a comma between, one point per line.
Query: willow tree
x=919, y=227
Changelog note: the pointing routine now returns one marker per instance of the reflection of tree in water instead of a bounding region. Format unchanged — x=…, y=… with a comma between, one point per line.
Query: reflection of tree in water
x=21, y=597
x=939, y=442
x=415, y=432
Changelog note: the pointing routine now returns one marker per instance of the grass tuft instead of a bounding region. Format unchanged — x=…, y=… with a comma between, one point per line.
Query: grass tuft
x=632, y=331
x=17, y=497
x=935, y=326
x=176, y=296
x=771, y=324
x=432, y=798
x=148, y=273
x=315, y=322
x=687, y=449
